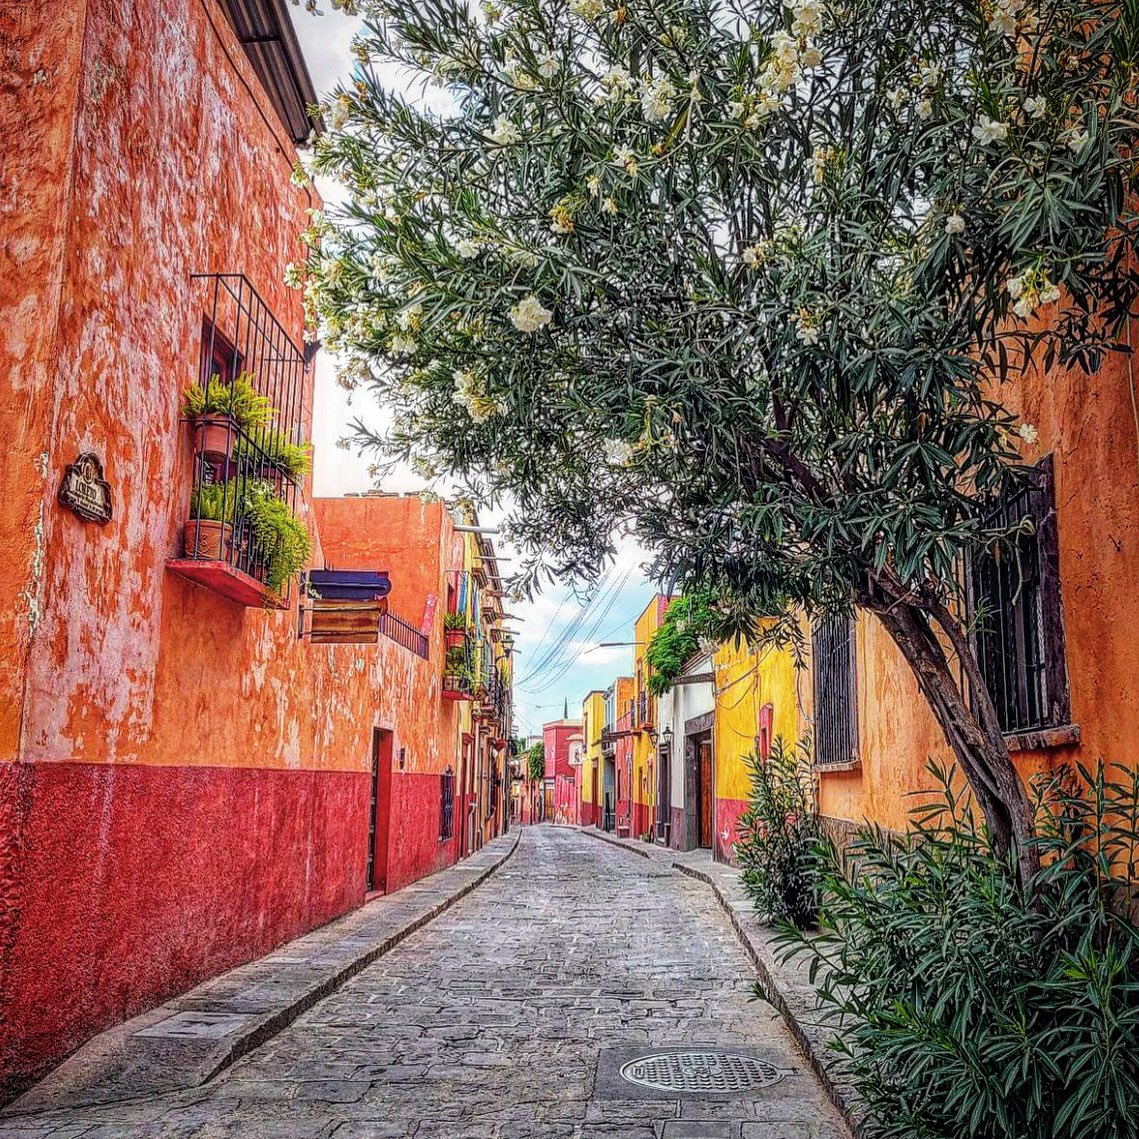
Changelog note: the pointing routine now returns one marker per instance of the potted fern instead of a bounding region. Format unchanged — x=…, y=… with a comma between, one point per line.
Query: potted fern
x=208, y=532
x=280, y=540
x=273, y=458
x=217, y=409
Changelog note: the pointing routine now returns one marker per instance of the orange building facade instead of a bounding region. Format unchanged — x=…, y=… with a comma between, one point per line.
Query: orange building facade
x=191, y=772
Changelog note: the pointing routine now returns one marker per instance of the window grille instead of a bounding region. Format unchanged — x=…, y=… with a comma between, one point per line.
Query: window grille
x=447, y=804
x=836, y=708
x=1014, y=604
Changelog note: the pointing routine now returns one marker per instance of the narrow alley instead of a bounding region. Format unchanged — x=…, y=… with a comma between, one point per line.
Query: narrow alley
x=511, y=1016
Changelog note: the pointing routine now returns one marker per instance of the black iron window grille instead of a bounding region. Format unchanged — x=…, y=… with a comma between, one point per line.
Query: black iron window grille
x=250, y=450
x=447, y=804
x=836, y=704
x=1013, y=596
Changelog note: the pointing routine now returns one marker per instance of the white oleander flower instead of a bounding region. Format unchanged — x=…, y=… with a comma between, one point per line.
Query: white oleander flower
x=736, y=110
x=928, y=76
x=924, y=108
x=897, y=97
x=588, y=10
x=338, y=112
x=1075, y=138
x=988, y=130
x=807, y=17
x=504, y=132
x=402, y=345
x=617, y=452
x=548, y=65
x=617, y=81
x=609, y=206
x=294, y=274
x=806, y=331
x=467, y=248
x=656, y=99
x=1036, y=106
x=1028, y=433
x=954, y=224
x=755, y=255
x=528, y=315
x=625, y=157
x=1004, y=17
x=593, y=185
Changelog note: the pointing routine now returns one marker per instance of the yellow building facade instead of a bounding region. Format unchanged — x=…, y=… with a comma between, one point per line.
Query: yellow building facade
x=592, y=725
x=646, y=762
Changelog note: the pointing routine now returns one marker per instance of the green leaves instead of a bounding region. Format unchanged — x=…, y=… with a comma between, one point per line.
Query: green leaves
x=968, y=1005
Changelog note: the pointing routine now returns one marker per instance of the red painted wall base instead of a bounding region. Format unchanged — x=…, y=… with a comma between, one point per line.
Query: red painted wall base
x=121, y=886
x=728, y=812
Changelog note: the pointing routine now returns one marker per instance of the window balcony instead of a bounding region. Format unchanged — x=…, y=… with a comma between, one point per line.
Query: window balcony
x=242, y=534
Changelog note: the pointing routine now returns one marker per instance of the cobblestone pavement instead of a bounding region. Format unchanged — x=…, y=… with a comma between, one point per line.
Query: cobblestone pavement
x=490, y=1023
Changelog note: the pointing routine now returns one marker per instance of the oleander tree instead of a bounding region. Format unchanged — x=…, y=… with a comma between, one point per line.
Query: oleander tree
x=742, y=277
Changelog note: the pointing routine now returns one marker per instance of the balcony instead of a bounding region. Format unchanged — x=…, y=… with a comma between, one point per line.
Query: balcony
x=459, y=673
x=242, y=535
x=644, y=711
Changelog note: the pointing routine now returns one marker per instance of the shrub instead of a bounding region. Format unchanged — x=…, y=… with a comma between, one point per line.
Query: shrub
x=239, y=400
x=969, y=1005
x=777, y=836
x=455, y=621
x=685, y=624
x=294, y=460
x=537, y=769
x=215, y=502
x=281, y=539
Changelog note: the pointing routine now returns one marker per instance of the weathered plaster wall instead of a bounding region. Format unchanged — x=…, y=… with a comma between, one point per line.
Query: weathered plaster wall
x=1088, y=423
x=192, y=783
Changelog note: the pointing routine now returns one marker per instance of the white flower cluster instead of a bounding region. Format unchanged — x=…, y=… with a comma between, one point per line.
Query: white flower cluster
x=954, y=224
x=625, y=157
x=1030, y=290
x=617, y=452
x=466, y=248
x=987, y=131
x=806, y=330
x=755, y=255
x=470, y=393
x=588, y=10
x=505, y=133
x=528, y=315
x=656, y=99
x=1008, y=14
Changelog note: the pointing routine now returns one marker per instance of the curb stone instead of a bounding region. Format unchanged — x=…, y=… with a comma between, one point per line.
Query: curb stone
x=265, y=996
x=787, y=990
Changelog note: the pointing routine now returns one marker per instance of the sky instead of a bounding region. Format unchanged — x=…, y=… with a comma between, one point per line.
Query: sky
x=559, y=633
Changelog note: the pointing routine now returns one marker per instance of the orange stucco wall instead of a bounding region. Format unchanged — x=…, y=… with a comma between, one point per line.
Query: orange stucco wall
x=1088, y=424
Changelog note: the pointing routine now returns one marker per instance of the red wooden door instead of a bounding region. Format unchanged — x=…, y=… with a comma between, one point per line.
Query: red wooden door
x=705, y=776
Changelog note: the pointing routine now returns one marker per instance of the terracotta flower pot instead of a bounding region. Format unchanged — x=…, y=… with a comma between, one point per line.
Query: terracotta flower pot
x=215, y=436
x=455, y=638
x=207, y=539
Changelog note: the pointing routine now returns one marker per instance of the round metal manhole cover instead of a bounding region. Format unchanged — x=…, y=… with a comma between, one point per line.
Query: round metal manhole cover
x=701, y=1071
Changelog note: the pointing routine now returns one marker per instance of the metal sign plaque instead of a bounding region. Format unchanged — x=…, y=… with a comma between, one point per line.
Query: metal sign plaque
x=84, y=490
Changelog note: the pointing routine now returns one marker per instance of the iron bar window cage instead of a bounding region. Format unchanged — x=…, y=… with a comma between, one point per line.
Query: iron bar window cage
x=447, y=804
x=249, y=442
x=1013, y=601
x=836, y=705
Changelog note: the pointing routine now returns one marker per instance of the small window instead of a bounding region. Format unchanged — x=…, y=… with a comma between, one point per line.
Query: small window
x=836, y=716
x=219, y=357
x=447, y=804
x=1014, y=603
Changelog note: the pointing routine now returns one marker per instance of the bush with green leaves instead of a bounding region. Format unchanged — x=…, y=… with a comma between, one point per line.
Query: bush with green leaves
x=456, y=622
x=294, y=460
x=216, y=502
x=777, y=836
x=281, y=541
x=537, y=763
x=687, y=623
x=750, y=273
x=240, y=400
x=968, y=1004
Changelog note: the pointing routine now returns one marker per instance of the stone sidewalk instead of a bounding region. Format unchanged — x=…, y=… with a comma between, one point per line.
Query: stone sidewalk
x=786, y=984
x=193, y=1037
x=578, y=994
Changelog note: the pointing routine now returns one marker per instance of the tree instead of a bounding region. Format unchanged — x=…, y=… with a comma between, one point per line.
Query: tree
x=750, y=275
x=536, y=763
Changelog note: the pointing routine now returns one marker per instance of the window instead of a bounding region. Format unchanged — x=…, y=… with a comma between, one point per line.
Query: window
x=1014, y=603
x=836, y=716
x=447, y=804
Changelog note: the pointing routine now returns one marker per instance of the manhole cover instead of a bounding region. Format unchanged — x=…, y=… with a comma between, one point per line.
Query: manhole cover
x=701, y=1071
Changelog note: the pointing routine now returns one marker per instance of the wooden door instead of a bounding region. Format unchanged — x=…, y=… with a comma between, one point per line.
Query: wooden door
x=378, y=811
x=705, y=797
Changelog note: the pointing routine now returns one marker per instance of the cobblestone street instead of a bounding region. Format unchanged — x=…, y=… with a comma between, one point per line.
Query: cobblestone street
x=490, y=1022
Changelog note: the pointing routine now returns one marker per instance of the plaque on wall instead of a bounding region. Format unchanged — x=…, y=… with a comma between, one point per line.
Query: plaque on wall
x=84, y=490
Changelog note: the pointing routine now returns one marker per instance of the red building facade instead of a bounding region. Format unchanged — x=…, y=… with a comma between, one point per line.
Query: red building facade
x=563, y=794
x=188, y=777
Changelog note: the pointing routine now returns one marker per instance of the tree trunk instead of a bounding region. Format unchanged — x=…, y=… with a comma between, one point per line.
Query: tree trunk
x=973, y=735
